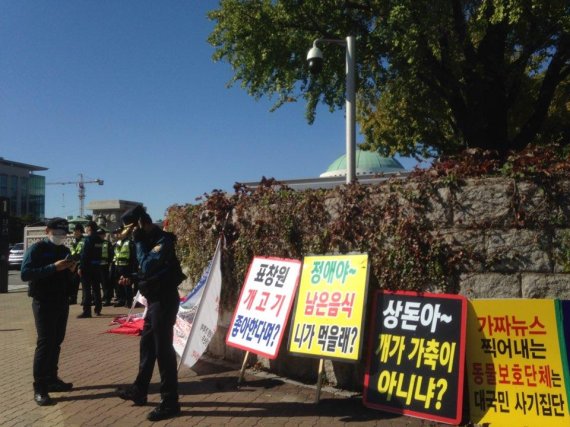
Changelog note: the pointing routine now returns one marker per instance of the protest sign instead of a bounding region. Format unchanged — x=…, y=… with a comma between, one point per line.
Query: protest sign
x=187, y=312
x=329, y=309
x=264, y=305
x=416, y=355
x=205, y=320
x=515, y=368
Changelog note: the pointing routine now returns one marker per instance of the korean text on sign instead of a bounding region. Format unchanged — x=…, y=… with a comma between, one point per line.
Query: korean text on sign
x=514, y=363
x=329, y=313
x=265, y=301
x=416, y=356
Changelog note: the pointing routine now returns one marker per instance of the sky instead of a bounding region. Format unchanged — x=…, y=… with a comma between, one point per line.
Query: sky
x=127, y=92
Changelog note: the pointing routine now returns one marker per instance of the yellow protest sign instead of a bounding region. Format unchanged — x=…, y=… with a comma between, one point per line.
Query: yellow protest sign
x=515, y=370
x=329, y=311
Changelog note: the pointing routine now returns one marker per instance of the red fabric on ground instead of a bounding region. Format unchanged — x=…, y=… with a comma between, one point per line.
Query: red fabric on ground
x=133, y=327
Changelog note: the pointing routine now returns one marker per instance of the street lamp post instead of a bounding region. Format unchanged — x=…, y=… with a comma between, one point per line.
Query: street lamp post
x=315, y=60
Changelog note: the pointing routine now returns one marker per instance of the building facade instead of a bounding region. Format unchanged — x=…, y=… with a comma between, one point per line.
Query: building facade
x=25, y=190
x=371, y=168
x=107, y=213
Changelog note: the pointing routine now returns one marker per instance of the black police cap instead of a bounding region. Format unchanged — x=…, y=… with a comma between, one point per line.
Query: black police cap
x=58, y=224
x=133, y=215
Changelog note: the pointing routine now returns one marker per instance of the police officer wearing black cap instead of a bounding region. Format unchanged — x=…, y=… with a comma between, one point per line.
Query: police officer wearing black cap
x=48, y=269
x=90, y=271
x=159, y=277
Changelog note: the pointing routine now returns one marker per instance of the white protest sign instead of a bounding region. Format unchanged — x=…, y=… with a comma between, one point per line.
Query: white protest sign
x=265, y=301
x=205, y=322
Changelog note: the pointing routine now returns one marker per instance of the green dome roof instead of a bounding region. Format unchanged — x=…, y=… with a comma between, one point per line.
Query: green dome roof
x=367, y=163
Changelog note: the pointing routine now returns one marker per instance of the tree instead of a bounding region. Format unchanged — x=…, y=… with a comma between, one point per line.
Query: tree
x=433, y=75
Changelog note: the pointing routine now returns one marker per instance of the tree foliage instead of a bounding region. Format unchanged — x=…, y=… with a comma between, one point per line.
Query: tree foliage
x=433, y=75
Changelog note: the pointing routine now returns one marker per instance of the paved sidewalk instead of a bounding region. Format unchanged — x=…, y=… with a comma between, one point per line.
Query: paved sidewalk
x=97, y=362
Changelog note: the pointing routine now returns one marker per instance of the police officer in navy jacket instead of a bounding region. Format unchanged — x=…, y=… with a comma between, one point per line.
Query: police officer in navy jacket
x=49, y=270
x=159, y=277
x=90, y=271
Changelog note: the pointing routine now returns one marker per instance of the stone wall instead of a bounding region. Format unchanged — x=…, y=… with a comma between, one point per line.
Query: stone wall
x=514, y=234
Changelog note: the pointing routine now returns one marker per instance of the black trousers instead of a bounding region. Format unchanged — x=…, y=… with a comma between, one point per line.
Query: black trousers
x=74, y=288
x=91, y=285
x=124, y=293
x=51, y=321
x=156, y=345
x=106, y=284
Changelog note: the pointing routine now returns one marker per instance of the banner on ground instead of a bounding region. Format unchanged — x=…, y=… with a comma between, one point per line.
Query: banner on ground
x=416, y=355
x=260, y=317
x=515, y=367
x=131, y=324
x=205, y=320
x=329, y=309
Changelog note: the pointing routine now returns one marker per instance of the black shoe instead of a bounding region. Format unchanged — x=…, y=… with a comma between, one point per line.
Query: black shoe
x=98, y=312
x=42, y=399
x=107, y=304
x=59, y=385
x=131, y=393
x=84, y=316
x=164, y=411
x=119, y=304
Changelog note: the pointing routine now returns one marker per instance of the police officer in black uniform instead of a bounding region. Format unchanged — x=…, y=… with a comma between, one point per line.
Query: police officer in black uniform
x=159, y=277
x=90, y=271
x=105, y=266
x=76, y=247
x=47, y=266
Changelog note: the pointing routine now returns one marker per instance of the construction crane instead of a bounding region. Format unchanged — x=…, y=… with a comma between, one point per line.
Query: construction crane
x=81, y=185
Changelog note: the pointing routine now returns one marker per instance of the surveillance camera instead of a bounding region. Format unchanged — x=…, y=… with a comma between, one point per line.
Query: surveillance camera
x=315, y=58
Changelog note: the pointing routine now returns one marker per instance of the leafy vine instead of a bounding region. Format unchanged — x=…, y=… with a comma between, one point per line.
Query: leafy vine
x=390, y=221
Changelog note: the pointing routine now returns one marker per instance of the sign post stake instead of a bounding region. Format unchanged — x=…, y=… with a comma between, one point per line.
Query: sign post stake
x=242, y=371
x=260, y=317
x=319, y=380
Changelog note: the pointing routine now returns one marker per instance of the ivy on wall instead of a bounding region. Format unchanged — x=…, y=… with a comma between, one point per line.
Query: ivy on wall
x=390, y=221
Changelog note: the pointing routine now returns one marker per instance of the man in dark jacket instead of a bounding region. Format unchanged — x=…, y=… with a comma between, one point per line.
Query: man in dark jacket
x=48, y=269
x=105, y=265
x=159, y=277
x=90, y=271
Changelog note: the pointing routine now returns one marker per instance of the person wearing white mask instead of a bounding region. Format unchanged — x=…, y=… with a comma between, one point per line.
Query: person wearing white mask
x=47, y=267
